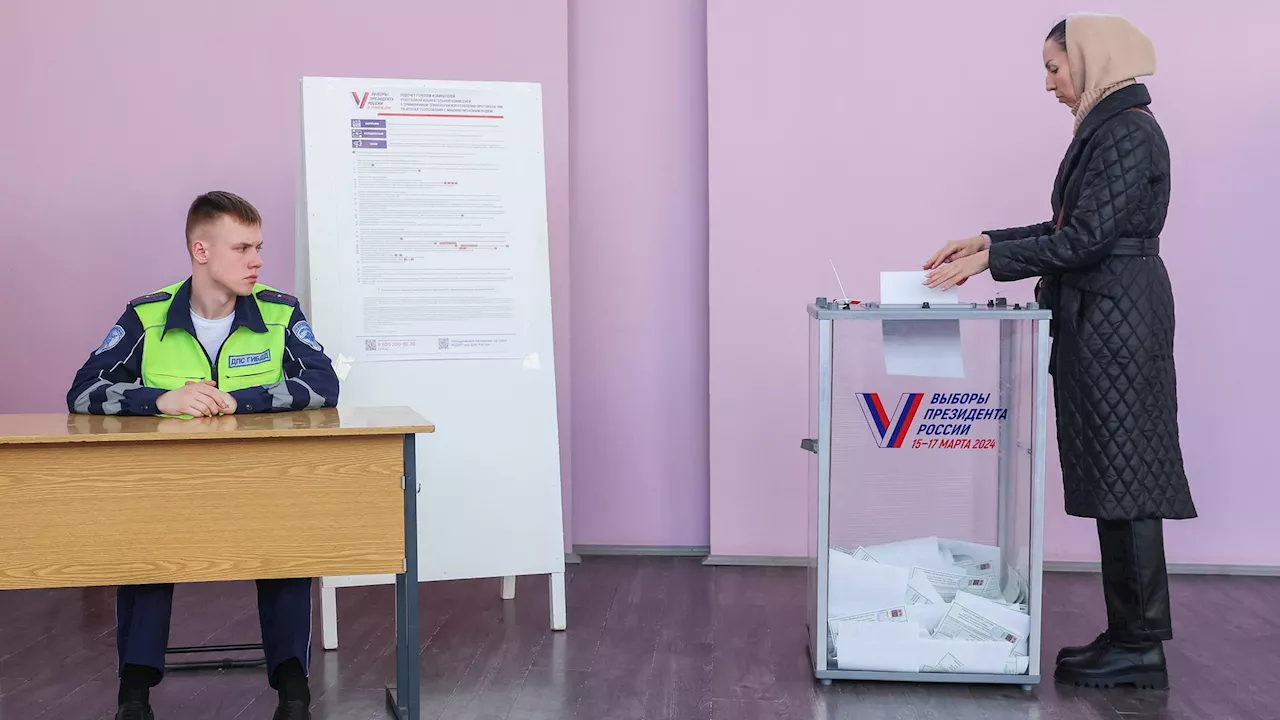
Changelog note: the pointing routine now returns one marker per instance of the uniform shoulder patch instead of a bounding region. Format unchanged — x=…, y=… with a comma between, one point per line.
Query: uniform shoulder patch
x=113, y=338
x=153, y=297
x=302, y=331
x=275, y=296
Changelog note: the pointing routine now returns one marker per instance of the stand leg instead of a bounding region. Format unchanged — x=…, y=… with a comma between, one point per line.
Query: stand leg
x=329, y=617
x=509, y=587
x=558, y=616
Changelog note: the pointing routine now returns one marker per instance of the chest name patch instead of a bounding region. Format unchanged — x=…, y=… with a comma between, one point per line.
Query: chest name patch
x=240, y=361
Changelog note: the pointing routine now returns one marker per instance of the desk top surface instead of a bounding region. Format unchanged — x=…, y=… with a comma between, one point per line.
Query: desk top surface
x=71, y=428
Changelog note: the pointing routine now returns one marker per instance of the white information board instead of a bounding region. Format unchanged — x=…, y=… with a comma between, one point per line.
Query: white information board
x=423, y=266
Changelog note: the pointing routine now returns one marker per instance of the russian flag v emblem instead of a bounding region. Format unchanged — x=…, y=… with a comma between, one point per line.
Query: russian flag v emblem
x=890, y=430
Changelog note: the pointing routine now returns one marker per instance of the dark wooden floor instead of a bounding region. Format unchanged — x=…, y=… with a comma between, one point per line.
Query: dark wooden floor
x=647, y=638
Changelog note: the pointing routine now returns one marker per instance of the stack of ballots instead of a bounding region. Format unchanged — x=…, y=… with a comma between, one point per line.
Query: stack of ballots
x=926, y=605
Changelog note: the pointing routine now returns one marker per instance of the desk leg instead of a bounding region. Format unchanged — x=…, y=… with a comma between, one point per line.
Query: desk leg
x=402, y=645
x=403, y=698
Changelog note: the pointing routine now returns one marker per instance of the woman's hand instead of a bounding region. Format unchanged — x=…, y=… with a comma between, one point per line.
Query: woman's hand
x=956, y=272
x=957, y=249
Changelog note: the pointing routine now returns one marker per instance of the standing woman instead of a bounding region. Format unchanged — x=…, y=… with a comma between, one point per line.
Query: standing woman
x=1113, y=324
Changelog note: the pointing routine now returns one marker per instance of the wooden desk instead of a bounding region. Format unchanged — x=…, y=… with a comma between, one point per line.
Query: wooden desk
x=91, y=500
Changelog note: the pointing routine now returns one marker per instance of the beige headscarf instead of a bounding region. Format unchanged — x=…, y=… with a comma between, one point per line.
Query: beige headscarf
x=1106, y=53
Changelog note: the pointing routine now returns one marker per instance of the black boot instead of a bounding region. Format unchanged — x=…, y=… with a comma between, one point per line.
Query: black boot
x=1141, y=665
x=135, y=710
x=290, y=682
x=1078, y=650
x=292, y=710
x=1136, y=586
x=134, y=697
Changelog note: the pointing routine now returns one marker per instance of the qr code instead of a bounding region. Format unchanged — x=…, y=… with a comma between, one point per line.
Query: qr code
x=370, y=345
x=442, y=344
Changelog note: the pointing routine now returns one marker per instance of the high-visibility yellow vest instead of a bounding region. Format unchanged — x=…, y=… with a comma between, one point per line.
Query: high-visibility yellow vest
x=247, y=358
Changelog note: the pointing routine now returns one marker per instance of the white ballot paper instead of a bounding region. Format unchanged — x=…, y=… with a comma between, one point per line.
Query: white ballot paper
x=927, y=604
x=920, y=591
x=857, y=586
x=907, y=287
x=928, y=616
x=906, y=647
x=1017, y=592
x=886, y=647
x=968, y=656
x=975, y=618
x=861, y=554
x=978, y=559
x=893, y=614
x=925, y=552
x=948, y=584
x=920, y=348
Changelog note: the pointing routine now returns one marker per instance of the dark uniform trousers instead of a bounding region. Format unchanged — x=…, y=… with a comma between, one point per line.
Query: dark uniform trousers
x=113, y=381
x=284, y=613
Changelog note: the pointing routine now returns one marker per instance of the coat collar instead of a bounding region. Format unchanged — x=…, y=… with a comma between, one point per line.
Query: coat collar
x=1126, y=98
x=247, y=312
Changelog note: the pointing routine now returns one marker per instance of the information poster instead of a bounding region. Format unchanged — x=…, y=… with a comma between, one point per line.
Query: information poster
x=435, y=228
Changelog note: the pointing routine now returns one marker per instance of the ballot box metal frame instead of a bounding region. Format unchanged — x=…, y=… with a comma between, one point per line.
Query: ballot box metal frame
x=826, y=313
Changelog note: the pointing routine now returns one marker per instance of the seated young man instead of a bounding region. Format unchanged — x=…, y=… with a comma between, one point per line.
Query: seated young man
x=214, y=344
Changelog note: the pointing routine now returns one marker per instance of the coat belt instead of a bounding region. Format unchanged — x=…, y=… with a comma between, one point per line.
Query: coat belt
x=1139, y=247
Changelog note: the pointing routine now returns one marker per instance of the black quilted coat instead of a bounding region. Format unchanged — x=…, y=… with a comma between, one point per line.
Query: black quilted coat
x=1101, y=274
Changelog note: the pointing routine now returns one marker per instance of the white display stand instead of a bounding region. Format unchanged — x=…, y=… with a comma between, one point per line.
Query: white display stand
x=423, y=267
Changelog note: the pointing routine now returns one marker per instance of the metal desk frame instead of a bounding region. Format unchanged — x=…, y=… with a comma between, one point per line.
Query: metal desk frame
x=404, y=697
x=407, y=624
x=407, y=649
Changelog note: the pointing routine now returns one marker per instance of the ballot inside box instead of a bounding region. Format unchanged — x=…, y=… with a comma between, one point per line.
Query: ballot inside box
x=926, y=447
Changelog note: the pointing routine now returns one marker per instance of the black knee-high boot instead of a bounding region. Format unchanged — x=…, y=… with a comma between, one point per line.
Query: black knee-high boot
x=1136, y=586
x=1135, y=580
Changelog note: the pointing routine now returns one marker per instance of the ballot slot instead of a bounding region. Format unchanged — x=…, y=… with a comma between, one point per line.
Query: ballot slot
x=925, y=497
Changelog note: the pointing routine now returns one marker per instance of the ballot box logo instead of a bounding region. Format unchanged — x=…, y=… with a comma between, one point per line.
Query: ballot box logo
x=942, y=421
x=891, y=430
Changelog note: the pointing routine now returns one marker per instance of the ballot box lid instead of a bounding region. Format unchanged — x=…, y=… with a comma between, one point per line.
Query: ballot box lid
x=995, y=309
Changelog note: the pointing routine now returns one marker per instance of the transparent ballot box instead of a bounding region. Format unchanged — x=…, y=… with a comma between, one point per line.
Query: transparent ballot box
x=927, y=433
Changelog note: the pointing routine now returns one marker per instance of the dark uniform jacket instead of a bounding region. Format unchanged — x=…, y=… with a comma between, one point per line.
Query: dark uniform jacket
x=110, y=381
x=1113, y=314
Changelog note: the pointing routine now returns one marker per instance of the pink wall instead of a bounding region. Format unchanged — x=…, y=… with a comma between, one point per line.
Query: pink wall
x=119, y=119
x=639, y=213
x=147, y=113
x=813, y=154
x=817, y=151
